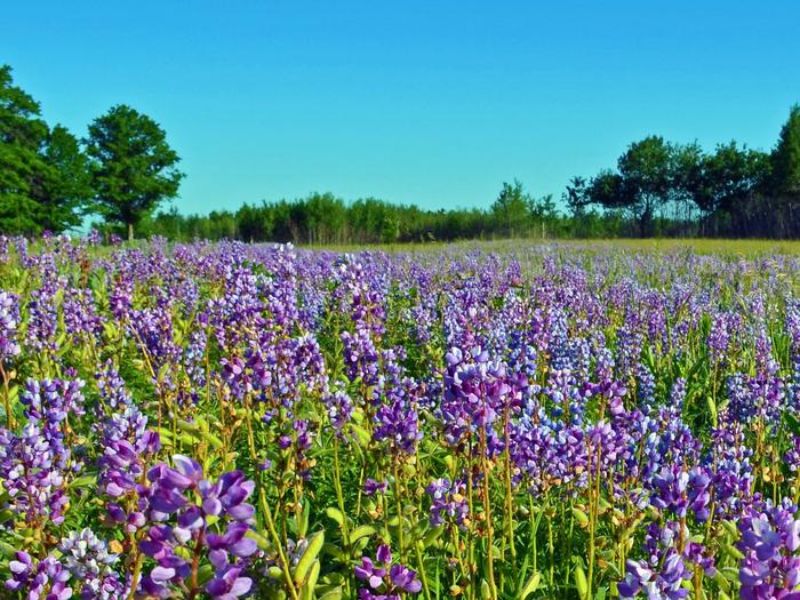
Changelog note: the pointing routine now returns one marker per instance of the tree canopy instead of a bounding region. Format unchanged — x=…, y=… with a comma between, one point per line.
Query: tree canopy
x=732, y=191
x=132, y=165
x=44, y=177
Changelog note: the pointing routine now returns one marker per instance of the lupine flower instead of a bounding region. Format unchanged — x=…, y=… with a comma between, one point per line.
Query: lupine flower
x=43, y=320
x=671, y=561
x=9, y=323
x=31, y=476
x=448, y=502
x=340, y=410
x=372, y=487
x=128, y=448
x=770, y=543
x=184, y=503
x=667, y=582
x=88, y=560
x=679, y=491
x=46, y=578
x=385, y=581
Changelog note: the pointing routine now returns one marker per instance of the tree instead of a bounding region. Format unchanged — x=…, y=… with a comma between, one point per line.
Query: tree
x=21, y=134
x=576, y=197
x=324, y=218
x=607, y=189
x=132, y=165
x=578, y=201
x=65, y=188
x=255, y=222
x=544, y=213
x=726, y=190
x=786, y=156
x=785, y=181
x=686, y=177
x=43, y=180
x=510, y=209
x=646, y=170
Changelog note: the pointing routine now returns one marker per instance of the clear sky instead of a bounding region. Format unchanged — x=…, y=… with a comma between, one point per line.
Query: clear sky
x=434, y=103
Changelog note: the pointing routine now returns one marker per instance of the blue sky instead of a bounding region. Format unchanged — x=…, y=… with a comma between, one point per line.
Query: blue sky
x=434, y=103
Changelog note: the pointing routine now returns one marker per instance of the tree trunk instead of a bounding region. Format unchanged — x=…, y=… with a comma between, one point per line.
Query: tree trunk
x=130, y=232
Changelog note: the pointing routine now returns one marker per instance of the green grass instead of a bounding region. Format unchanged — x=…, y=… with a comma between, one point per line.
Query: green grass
x=748, y=247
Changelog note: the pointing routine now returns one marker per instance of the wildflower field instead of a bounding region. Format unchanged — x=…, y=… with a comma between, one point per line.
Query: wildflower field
x=532, y=422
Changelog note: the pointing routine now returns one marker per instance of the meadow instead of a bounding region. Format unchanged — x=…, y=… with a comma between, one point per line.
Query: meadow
x=580, y=420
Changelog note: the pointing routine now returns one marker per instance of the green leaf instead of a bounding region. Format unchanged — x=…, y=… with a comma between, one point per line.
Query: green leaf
x=362, y=435
x=581, y=584
x=7, y=549
x=531, y=585
x=601, y=594
x=164, y=434
x=360, y=532
x=311, y=581
x=198, y=432
x=792, y=423
x=302, y=527
x=581, y=517
x=733, y=551
x=335, y=514
x=82, y=482
x=731, y=528
x=334, y=594
x=433, y=535
x=335, y=551
x=712, y=408
x=306, y=561
x=205, y=573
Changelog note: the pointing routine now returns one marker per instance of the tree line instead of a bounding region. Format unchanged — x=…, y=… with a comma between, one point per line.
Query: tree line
x=664, y=188
x=322, y=218
x=657, y=188
x=124, y=170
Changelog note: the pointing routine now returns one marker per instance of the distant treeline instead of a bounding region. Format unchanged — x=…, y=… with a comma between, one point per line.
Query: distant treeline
x=326, y=219
x=657, y=188
x=673, y=189
x=124, y=170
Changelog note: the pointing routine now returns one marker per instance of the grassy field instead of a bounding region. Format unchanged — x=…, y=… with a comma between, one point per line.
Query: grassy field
x=745, y=247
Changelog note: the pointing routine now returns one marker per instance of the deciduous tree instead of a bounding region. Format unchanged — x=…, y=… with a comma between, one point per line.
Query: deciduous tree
x=133, y=167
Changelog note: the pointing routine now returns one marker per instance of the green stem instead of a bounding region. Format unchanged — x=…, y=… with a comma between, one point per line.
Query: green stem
x=422, y=574
x=399, y=508
x=552, y=549
x=488, y=512
x=337, y=480
x=509, y=493
x=287, y=574
x=594, y=500
x=7, y=398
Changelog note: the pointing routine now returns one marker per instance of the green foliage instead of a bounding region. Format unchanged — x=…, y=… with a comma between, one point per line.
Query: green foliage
x=786, y=156
x=730, y=174
x=43, y=179
x=326, y=219
x=672, y=189
x=66, y=189
x=125, y=169
x=510, y=209
x=132, y=165
x=646, y=175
